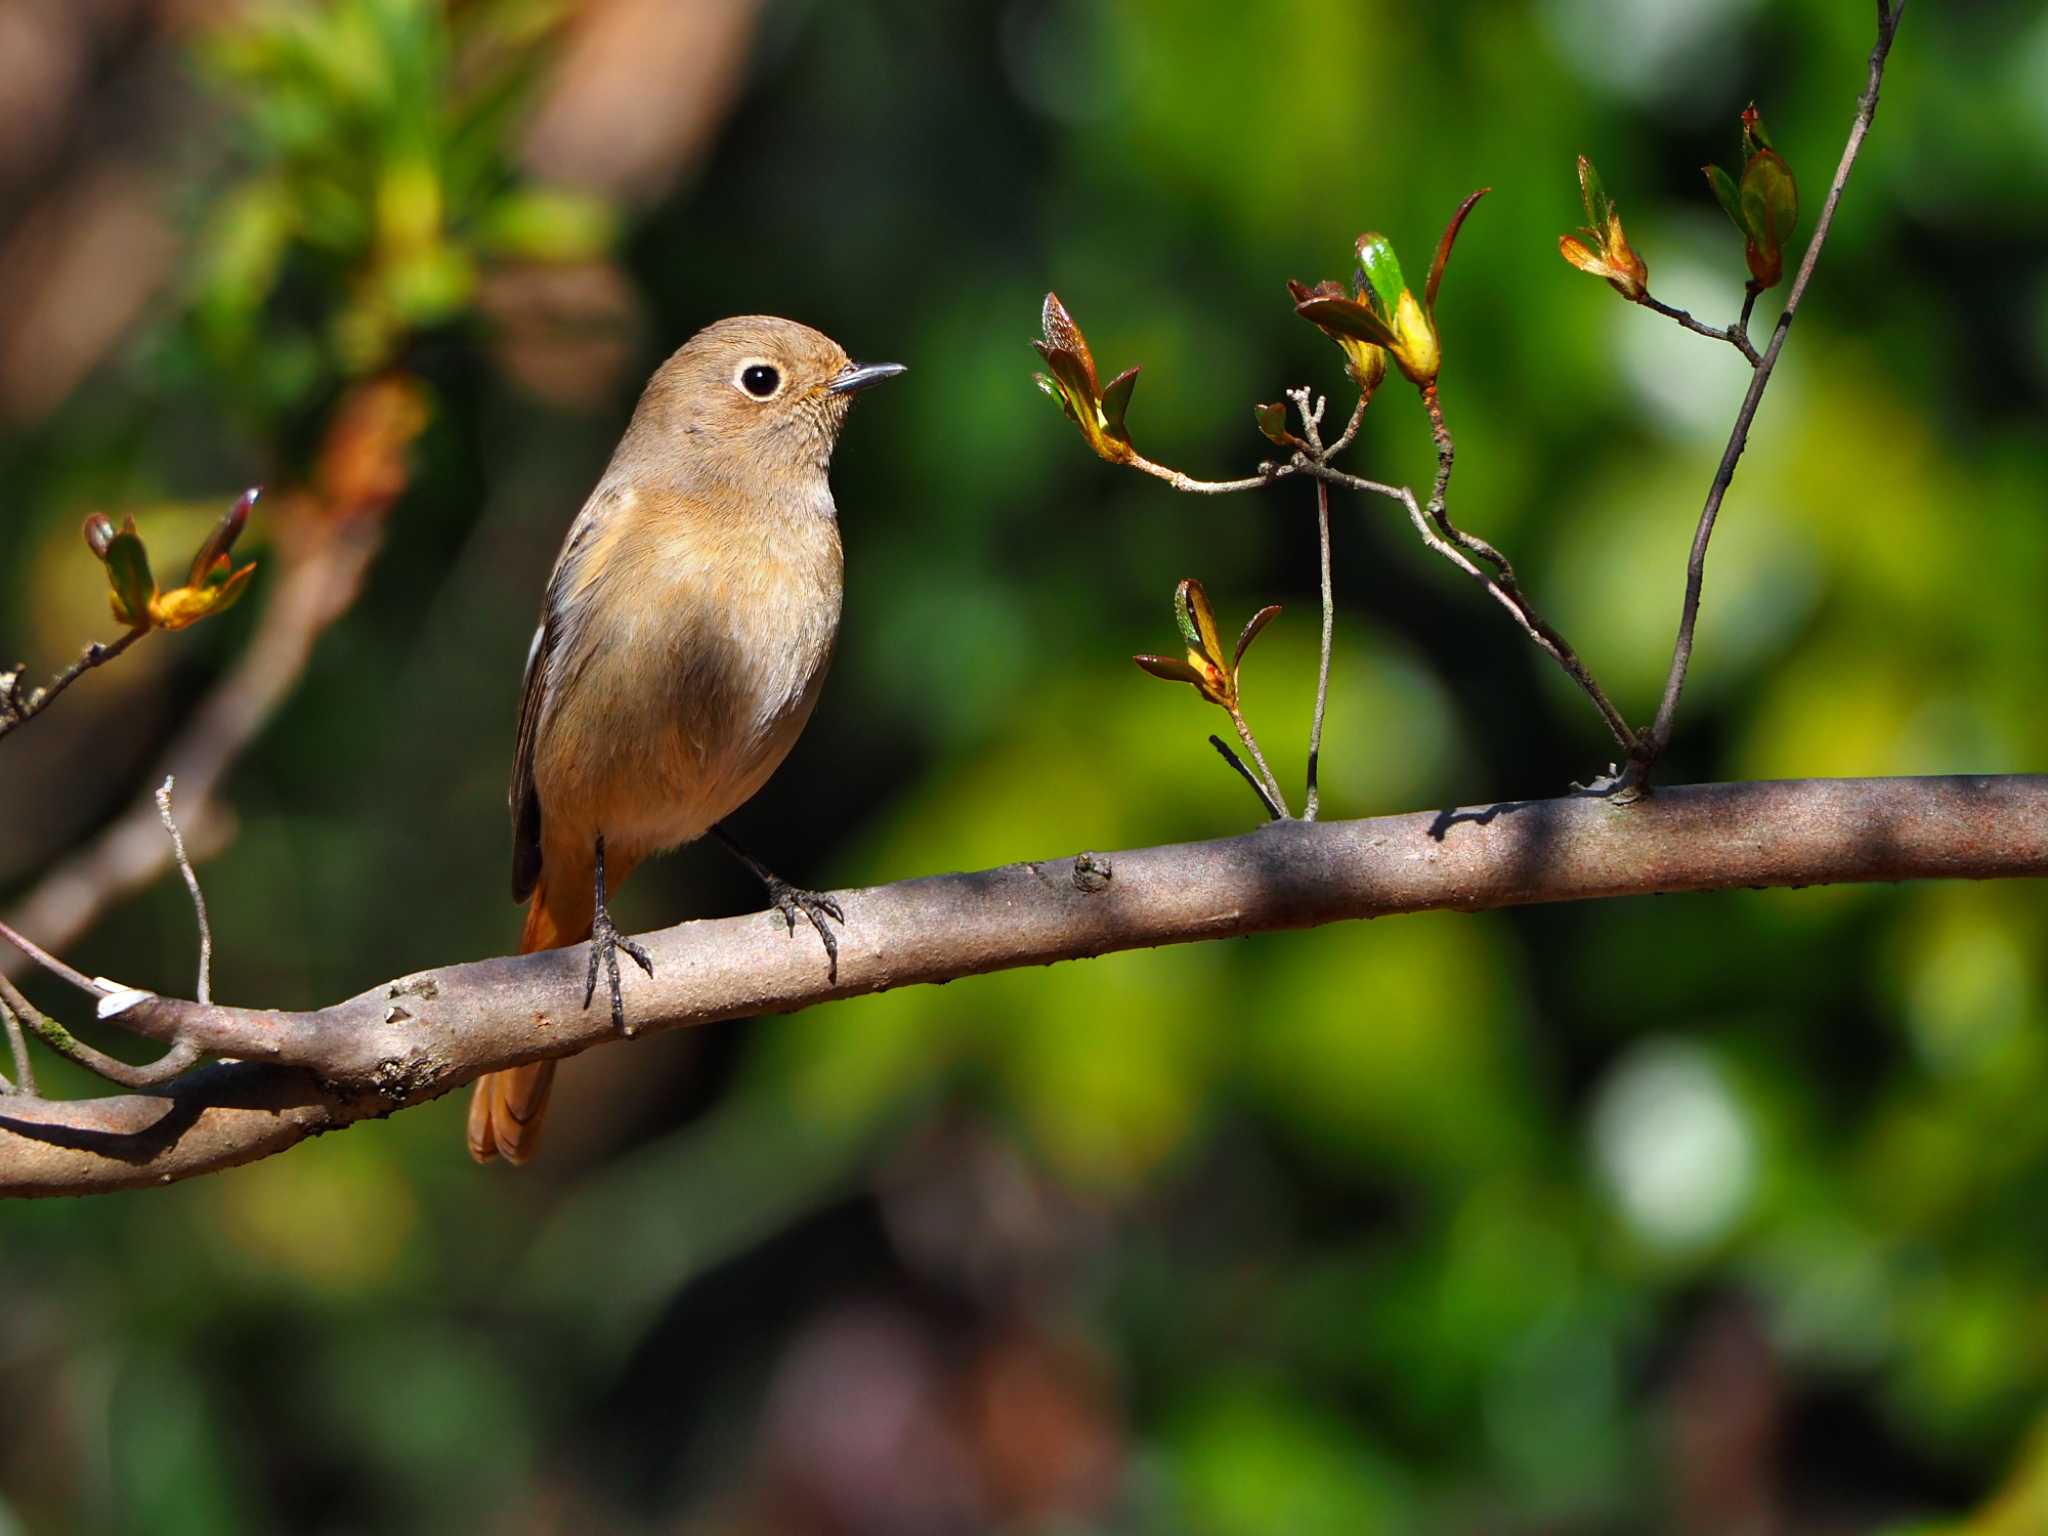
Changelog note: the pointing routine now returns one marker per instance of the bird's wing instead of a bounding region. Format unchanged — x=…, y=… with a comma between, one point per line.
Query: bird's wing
x=525, y=799
x=556, y=616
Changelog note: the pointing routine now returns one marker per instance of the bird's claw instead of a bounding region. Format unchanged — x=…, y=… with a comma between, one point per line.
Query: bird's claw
x=789, y=901
x=605, y=943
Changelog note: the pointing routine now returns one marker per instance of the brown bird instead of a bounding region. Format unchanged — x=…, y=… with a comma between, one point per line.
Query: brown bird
x=684, y=636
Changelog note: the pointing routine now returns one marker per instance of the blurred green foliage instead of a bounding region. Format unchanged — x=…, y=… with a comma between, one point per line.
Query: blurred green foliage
x=376, y=178
x=1434, y=1224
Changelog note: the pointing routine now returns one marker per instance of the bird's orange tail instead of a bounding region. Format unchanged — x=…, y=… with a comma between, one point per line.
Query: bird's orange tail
x=505, y=1108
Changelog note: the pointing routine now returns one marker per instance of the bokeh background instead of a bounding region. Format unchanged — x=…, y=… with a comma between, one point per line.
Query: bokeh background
x=1708, y=1213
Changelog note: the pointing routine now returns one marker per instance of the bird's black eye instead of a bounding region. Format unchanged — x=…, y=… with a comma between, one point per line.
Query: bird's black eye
x=759, y=380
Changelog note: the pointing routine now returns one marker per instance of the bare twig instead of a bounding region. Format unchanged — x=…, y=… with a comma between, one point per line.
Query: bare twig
x=1658, y=737
x=417, y=1037
x=163, y=806
x=1268, y=473
x=24, y=1070
x=1277, y=813
x=16, y=711
x=1315, y=729
x=1737, y=335
x=316, y=584
x=36, y=954
x=1276, y=796
x=183, y=1055
x=1350, y=432
x=1311, y=424
x=1504, y=583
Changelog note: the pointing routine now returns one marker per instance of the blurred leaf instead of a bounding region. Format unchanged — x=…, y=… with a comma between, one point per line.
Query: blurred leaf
x=548, y=224
x=1261, y=1463
x=1726, y=193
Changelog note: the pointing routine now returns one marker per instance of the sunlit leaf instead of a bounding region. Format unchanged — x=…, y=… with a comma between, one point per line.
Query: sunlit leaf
x=1443, y=250
x=1379, y=271
x=213, y=551
x=1348, y=317
x=1593, y=194
x=1198, y=619
x=1253, y=625
x=1172, y=668
x=130, y=584
x=1116, y=399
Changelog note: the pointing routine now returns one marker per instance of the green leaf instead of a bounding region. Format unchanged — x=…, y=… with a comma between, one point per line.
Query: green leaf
x=1598, y=204
x=1770, y=199
x=1379, y=273
x=1724, y=189
x=1050, y=385
x=548, y=224
x=231, y=591
x=1197, y=619
x=1755, y=136
x=129, y=581
x=1183, y=617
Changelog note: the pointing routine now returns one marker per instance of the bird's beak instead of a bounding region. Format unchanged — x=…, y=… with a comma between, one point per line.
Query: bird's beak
x=855, y=377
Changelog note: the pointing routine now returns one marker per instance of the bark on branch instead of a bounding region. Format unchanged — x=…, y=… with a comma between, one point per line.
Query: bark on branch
x=413, y=1039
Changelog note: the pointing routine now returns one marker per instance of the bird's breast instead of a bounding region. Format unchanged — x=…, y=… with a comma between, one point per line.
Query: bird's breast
x=690, y=669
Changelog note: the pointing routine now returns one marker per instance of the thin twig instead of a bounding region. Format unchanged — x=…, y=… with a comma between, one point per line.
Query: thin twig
x=1351, y=427
x=314, y=587
x=1504, y=582
x=1265, y=796
x=1751, y=292
x=1312, y=429
x=163, y=806
x=1315, y=730
x=1268, y=473
x=24, y=1069
x=1737, y=335
x=16, y=711
x=182, y=1054
x=1251, y=745
x=1658, y=737
x=50, y=962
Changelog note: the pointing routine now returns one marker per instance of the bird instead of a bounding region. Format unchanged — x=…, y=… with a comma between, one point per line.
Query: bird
x=684, y=636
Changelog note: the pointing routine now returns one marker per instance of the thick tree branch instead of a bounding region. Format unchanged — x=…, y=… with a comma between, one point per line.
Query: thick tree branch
x=413, y=1039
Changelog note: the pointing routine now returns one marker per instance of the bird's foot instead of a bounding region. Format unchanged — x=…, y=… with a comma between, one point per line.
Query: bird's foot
x=605, y=943
x=789, y=901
